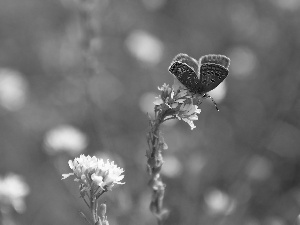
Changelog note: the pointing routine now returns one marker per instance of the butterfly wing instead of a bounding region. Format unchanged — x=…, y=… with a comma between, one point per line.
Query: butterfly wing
x=184, y=58
x=211, y=75
x=216, y=59
x=186, y=75
x=212, y=71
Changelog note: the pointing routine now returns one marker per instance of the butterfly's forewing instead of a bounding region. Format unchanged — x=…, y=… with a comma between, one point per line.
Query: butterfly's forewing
x=186, y=75
x=211, y=75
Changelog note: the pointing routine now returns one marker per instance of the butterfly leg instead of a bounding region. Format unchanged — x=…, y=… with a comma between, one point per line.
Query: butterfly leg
x=208, y=96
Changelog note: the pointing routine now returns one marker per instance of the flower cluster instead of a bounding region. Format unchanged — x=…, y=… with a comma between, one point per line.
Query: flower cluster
x=178, y=102
x=92, y=173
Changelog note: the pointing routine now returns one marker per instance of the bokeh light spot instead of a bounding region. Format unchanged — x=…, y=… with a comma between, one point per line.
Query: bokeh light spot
x=219, y=92
x=172, y=166
x=146, y=102
x=144, y=46
x=65, y=138
x=13, y=89
x=13, y=189
x=219, y=202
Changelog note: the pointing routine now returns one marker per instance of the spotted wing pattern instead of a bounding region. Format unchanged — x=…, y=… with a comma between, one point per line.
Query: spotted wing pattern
x=186, y=75
x=211, y=75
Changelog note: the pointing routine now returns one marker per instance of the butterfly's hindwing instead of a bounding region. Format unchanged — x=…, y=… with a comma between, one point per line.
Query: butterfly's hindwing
x=186, y=75
x=184, y=58
x=216, y=59
x=211, y=75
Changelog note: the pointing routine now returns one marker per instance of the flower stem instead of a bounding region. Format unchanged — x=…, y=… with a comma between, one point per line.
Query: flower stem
x=93, y=207
x=86, y=202
x=155, y=162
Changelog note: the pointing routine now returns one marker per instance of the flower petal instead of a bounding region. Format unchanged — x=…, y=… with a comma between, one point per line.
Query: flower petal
x=67, y=175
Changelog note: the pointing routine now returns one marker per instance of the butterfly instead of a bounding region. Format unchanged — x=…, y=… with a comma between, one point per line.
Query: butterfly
x=203, y=76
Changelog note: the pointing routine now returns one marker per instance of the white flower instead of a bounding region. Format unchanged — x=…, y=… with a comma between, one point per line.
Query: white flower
x=188, y=113
x=158, y=101
x=165, y=87
x=180, y=102
x=12, y=192
x=91, y=171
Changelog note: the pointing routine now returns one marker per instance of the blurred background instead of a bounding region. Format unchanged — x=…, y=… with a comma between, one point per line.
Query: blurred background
x=78, y=77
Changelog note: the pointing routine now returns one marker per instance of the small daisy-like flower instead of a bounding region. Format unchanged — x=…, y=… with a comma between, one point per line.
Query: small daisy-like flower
x=92, y=172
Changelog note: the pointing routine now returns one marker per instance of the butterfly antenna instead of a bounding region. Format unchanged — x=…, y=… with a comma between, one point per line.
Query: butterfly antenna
x=208, y=96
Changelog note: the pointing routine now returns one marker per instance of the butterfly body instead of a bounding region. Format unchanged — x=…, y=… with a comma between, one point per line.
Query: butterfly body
x=202, y=77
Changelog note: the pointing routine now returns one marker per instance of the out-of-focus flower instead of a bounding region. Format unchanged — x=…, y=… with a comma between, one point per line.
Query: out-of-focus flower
x=13, y=89
x=144, y=46
x=13, y=190
x=92, y=173
x=178, y=103
x=65, y=138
